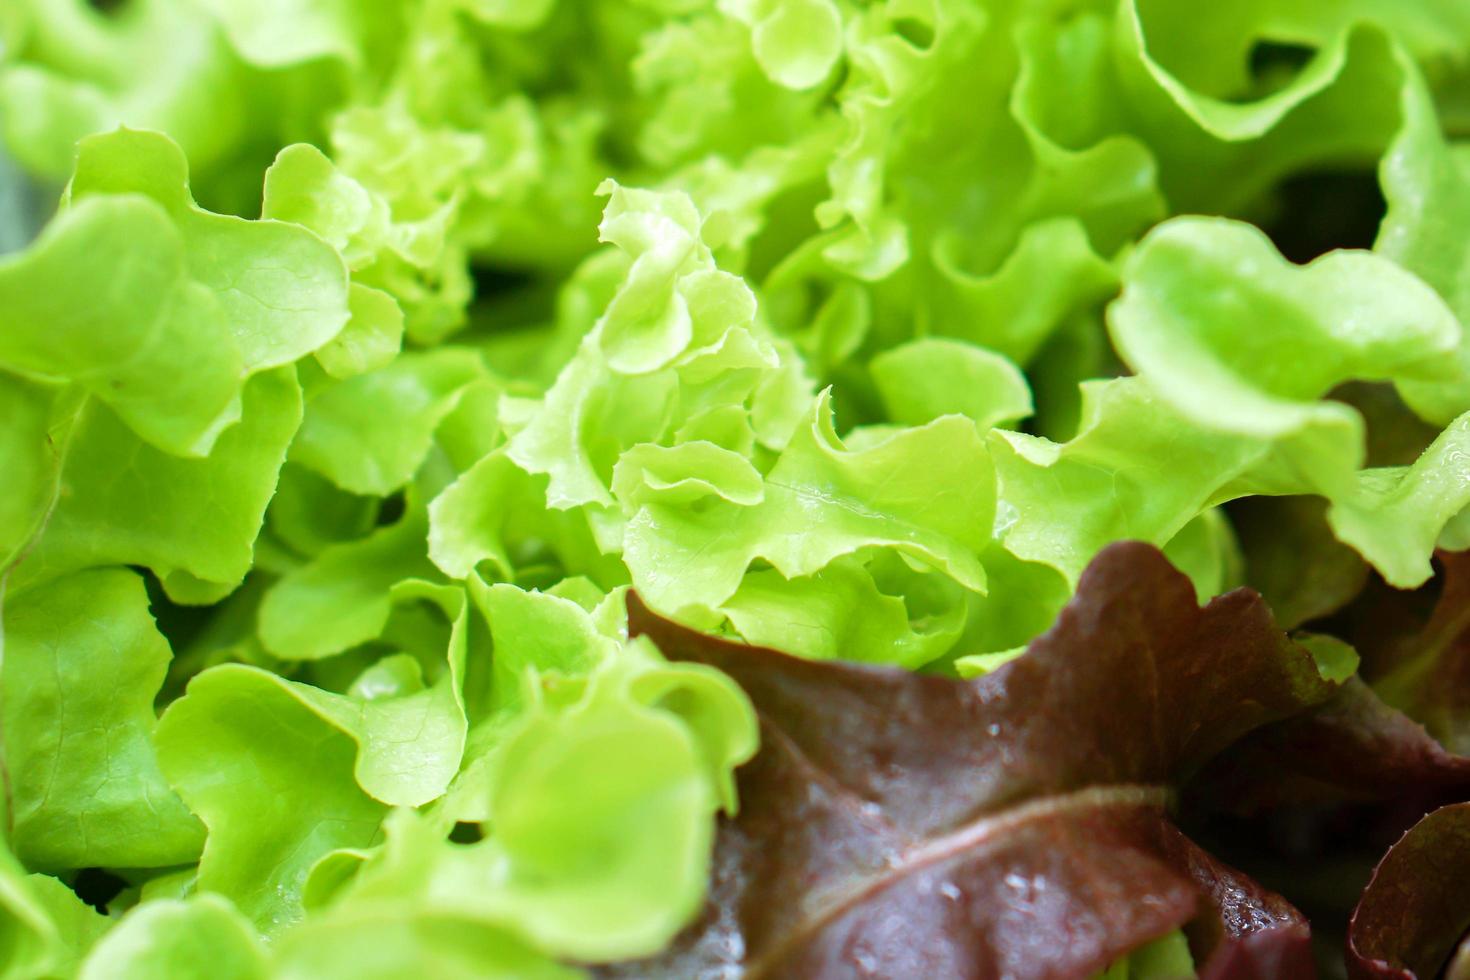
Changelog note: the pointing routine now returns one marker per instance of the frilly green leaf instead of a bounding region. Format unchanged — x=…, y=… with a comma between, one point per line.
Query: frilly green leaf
x=122, y=501
x=423, y=388
x=133, y=315
x=821, y=501
x=282, y=290
x=199, y=937
x=271, y=779
x=924, y=379
x=85, y=788
x=1193, y=282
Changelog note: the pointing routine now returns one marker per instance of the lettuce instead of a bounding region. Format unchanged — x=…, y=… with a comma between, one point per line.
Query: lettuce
x=100, y=773
x=373, y=359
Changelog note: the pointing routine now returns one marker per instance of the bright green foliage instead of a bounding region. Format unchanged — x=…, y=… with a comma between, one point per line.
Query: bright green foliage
x=86, y=789
x=645, y=748
x=71, y=72
x=30, y=462
x=281, y=290
x=342, y=597
x=26, y=931
x=45, y=929
x=896, y=314
x=372, y=337
x=1398, y=514
x=273, y=782
x=677, y=355
x=1135, y=470
x=203, y=936
x=31, y=942
x=924, y=379
x=1166, y=958
x=383, y=944
x=149, y=315
x=121, y=501
x=1194, y=282
x=821, y=501
x=421, y=388
x=285, y=32
x=619, y=874
x=1218, y=412
x=496, y=513
x=881, y=610
x=407, y=716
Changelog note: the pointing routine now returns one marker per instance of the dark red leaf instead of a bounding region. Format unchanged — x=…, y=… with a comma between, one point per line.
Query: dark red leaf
x=1359, y=747
x=1349, y=776
x=902, y=825
x=1285, y=951
x=1427, y=674
x=1248, y=932
x=1416, y=909
x=1354, y=748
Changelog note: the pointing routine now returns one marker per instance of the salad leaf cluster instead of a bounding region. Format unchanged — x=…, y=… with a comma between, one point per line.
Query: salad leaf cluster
x=375, y=356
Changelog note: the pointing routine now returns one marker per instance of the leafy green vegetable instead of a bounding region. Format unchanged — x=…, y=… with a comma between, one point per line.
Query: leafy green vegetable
x=1346, y=316
x=281, y=290
x=71, y=927
x=271, y=779
x=33, y=941
x=197, y=937
x=86, y=786
x=158, y=319
x=336, y=429
x=422, y=388
x=821, y=500
x=192, y=521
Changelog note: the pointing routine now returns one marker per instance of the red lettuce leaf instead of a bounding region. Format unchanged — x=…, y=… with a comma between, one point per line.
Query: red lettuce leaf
x=1348, y=777
x=1403, y=735
x=902, y=825
x=1352, y=749
x=1415, y=911
x=1426, y=674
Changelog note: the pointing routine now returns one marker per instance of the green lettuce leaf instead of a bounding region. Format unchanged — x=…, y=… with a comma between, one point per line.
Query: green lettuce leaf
x=30, y=462
x=271, y=779
x=286, y=32
x=1212, y=416
x=192, y=521
x=1346, y=316
x=493, y=518
x=407, y=716
x=1219, y=138
x=819, y=502
x=86, y=790
x=342, y=597
x=602, y=768
x=881, y=610
x=202, y=936
x=32, y=944
x=74, y=926
x=154, y=317
x=354, y=493
x=70, y=71
x=384, y=943
x=282, y=290
x=423, y=388
x=1135, y=470
x=924, y=379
